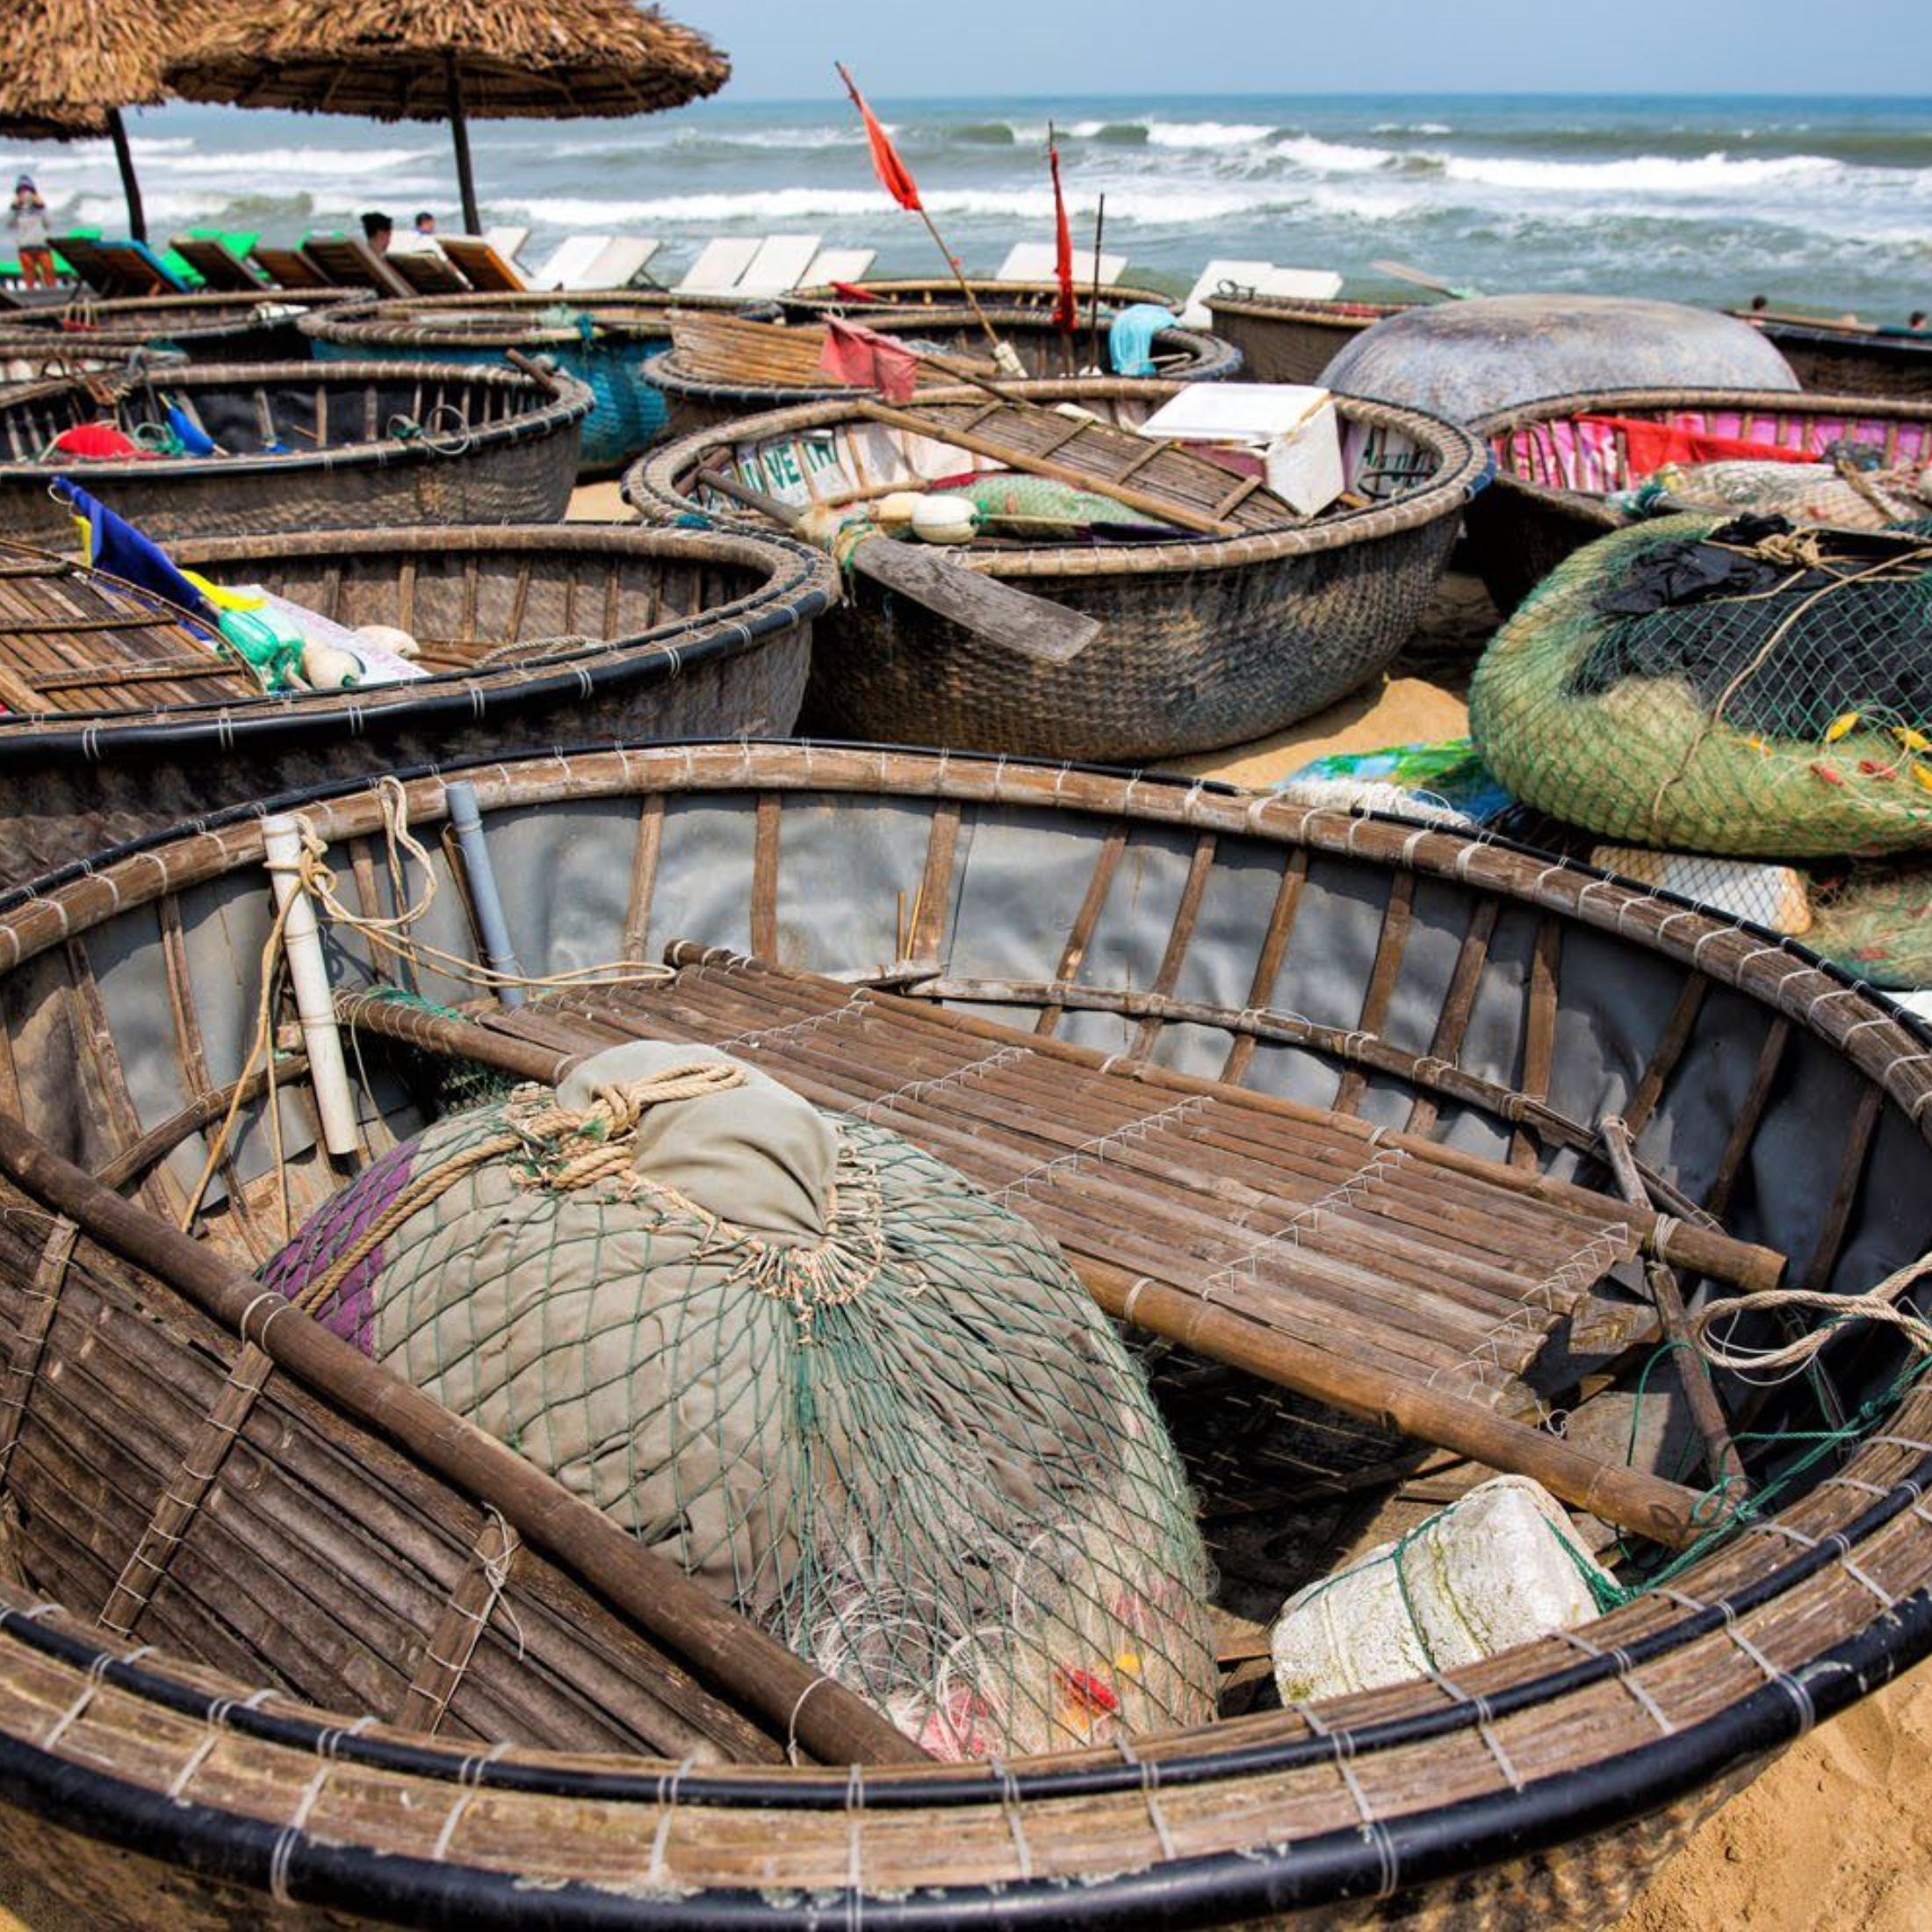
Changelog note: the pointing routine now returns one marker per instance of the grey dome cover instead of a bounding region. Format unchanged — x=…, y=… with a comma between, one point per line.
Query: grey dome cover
x=1465, y=360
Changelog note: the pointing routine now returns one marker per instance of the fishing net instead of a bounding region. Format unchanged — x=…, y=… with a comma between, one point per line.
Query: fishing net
x=855, y=1396
x=1875, y=920
x=1834, y=493
x=1738, y=687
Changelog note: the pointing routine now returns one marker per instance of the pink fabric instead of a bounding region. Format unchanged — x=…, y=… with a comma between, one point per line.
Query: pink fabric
x=869, y=360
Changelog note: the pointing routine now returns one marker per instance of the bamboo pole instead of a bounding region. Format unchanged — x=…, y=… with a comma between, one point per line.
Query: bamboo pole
x=1720, y=1452
x=729, y=1652
x=459, y=133
x=1099, y=232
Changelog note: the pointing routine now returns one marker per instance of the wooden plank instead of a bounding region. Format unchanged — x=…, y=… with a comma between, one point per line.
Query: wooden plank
x=1539, y=1029
x=1185, y=914
x=1666, y=1054
x=932, y=906
x=1396, y=921
x=1750, y=1112
x=643, y=876
x=1274, y=948
x=1080, y=933
x=764, y=905
x=449, y=1646
x=1458, y=1005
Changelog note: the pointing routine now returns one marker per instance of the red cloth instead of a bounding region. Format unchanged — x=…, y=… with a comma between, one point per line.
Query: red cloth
x=99, y=440
x=1652, y=444
x=869, y=360
x=894, y=177
x=852, y=292
x=1066, y=310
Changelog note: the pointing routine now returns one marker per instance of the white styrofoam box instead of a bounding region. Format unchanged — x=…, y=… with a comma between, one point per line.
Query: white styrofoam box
x=1501, y=1566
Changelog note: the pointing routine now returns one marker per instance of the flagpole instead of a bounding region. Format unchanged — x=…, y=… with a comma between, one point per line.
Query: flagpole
x=939, y=240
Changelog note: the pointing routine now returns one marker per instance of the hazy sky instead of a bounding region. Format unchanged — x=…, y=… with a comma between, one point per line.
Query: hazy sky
x=783, y=49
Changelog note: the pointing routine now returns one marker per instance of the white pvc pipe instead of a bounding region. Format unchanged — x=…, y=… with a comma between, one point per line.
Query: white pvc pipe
x=314, y=1002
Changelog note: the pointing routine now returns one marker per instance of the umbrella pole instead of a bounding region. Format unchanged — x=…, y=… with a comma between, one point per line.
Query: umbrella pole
x=465, y=177
x=124, y=158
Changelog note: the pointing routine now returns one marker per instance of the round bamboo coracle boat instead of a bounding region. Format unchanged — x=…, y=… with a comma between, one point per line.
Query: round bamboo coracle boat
x=303, y=446
x=211, y=328
x=280, y=1638
x=1557, y=459
x=1284, y=338
x=715, y=374
x=604, y=340
x=1846, y=358
x=882, y=294
x=1243, y=620
x=126, y=720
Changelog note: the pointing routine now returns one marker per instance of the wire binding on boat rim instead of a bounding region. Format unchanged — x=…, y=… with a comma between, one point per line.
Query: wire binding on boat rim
x=801, y=585
x=1335, y=311
x=23, y=329
x=650, y=484
x=402, y=322
x=557, y=404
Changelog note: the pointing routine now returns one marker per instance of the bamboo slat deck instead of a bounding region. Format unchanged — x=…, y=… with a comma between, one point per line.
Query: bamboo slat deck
x=1352, y=1248
x=77, y=640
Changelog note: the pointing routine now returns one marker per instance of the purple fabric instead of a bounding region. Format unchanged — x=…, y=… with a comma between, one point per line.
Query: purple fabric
x=339, y=1223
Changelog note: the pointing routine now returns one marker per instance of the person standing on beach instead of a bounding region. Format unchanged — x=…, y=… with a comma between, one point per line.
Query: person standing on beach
x=379, y=230
x=27, y=218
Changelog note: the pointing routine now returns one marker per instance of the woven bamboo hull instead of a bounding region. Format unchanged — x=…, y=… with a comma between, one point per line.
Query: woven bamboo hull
x=806, y=305
x=696, y=639
x=1845, y=364
x=1284, y=340
x=226, y=1770
x=515, y=461
x=1205, y=643
x=1525, y=524
x=1186, y=662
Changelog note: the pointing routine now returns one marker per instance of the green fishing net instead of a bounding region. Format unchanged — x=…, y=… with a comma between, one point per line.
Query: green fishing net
x=855, y=1395
x=1740, y=687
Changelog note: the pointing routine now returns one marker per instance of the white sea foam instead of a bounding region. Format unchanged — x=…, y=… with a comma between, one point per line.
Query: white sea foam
x=1715, y=173
x=1412, y=127
x=1334, y=157
x=1205, y=134
x=300, y=167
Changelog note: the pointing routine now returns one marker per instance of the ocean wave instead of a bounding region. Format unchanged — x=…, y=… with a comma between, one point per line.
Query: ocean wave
x=1412, y=127
x=302, y=164
x=1150, y=207
x=1206, y=133
x=1713, y=173
x=1335, y=157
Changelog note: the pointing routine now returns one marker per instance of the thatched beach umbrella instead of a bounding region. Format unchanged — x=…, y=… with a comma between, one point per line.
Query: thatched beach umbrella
x=71, y=66
x=437, y=59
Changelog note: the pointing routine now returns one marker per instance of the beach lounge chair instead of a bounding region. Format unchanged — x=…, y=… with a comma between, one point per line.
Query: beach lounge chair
x=831, y=265
x=288, y=268
x=779, y=265
x=115, y=268
x=487, y=268
x=720, y=264
x=507, y=241
x=595, y=262
x=349, y=262
x=427, y=269
x=1261, y=277
x=1033, y=262
x=218, y=265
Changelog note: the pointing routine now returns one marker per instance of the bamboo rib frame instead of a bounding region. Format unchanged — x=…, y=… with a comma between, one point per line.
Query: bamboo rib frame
x=1552, y=1779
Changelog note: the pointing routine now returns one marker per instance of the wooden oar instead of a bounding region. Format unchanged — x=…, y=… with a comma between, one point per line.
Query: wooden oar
x=1421, y=278
x=1035, y=627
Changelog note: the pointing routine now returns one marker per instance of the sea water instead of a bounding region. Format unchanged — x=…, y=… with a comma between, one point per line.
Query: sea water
x=1706, y=198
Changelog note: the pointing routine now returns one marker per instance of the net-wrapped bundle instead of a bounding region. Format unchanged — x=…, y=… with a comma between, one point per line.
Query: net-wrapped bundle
x=1742, y=687
x=855, y=1395
x=1840, y=492
x=1875, y=920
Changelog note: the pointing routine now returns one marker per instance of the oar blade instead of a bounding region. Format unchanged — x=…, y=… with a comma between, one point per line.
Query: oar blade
x=1000, y=612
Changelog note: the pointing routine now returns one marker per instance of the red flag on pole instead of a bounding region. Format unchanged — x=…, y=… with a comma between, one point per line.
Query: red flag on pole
x=1066, y=310
x=894, y=177
x=869, y=360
